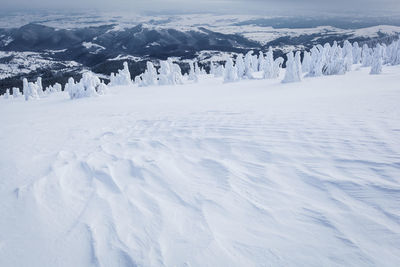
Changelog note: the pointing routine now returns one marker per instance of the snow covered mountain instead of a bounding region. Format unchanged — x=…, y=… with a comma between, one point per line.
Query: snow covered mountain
x=251, y=173
x=56, y=46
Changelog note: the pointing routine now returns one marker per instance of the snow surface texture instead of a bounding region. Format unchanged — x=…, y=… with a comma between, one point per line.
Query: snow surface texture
x=253, y=173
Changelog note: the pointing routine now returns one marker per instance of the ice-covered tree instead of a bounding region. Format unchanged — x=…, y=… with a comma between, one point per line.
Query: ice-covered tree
x=30, y=90
x=49, y=89
x=192, y=72
x=335, y=63
x=16, y=92
x=149, y=77
x=254, y=63
x=139, y=80
x=240, y=66
x=366, y=58
x=102, y=88
x=268, y=65
x=297, y=60
x=230, y=74
x=277, y=67
x=39, y=87
x=90, y=83
x=347, y=55
x=73, y=89
x=7, y=95
x=293, y=69
x=248, y=63
x=197, y=69
x=377, y=60
x=176, y=72
x=89, y=86
x=306, y=64
x=57, y=87
x=123, y=77
x=219, y=71
x=164, y=73
x=25, y=89
x=317, y=61
x=356, y=53
x=212, y=68
x=169, y=73
x=53, y=88
x=261, y=60
x=203, y=71
x=393, y=53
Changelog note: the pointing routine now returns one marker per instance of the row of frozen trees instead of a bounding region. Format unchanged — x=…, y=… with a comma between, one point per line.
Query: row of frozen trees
x=32, y=90
x=320, y=60
x=245, y=66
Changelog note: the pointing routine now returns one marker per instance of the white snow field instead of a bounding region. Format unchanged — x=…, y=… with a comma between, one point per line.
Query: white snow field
x=253, y=173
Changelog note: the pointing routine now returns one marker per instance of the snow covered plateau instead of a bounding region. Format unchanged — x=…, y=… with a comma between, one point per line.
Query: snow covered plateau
x=250, y=173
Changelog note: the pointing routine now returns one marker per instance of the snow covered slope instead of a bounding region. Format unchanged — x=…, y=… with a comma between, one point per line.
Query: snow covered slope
x=255, y=173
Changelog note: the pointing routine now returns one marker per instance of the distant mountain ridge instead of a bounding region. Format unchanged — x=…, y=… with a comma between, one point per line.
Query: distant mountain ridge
x=55, y=53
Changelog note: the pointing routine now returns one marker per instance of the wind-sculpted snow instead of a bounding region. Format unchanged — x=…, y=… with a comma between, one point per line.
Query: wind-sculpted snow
x=205, y=174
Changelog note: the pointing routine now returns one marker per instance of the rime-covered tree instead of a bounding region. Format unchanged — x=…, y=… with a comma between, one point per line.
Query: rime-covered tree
x=268, y=65
x=277, y=67
x=219, y=71
x=192, y=72
x=197, y=69
x=176, y=72
x=292, y=69
x=230, y=74
x=356, y=53
x=306, y=64
x=30, y=90
x=347, y=55
x=393, y=53
x=164, y=73
x=39, y=87
x=241, y=70
x=377, y=60
x=261, y=60
x=102, y=89
x=57, y=87
x=254, y=63
x=16, y=92
x=297, y=60
x=317, y=61
x=248, y=63
x=212, y=68
x=88, y=86
x=169, y=73
x=123, y=77
x=149, y=77
x=7, y=95
x=366, y=57
x=334, y=61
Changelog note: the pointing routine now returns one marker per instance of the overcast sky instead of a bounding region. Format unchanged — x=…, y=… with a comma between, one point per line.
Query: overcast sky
x=221, y=6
